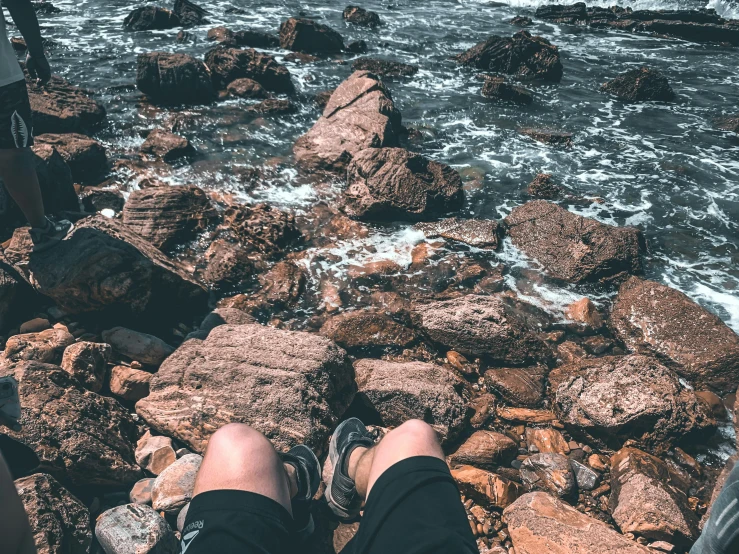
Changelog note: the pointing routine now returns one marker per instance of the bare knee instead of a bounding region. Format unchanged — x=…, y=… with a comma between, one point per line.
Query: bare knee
x=239, y=440
x=416, y=431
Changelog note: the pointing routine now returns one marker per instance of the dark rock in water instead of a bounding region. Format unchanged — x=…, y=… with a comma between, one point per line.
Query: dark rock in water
x=543, y=186
x=85, y=156
x=293, y=387
x=137, y=526
x=548, y=136
x=385, y=68
x=189, y=13
x=262, y=228
x=273, y=106
x=728, y=124
x=574, y=248
x=653, y=318
x=186, y=37
x=96, y=200
x=640, y=85
x=229, y=64
x=222, y=35
x=282, y=287
x=522, y=56
x=78, y=436
x=61, y=107
x=246, y=88
x=167, y=146
x=563, y=13
x=168, y=215
x=549, y=472
x=360, y=16
x=59, y=522
x=396, y=184
x=520, y=387
x=256, y=39
x=498, y=89
x=149, y=18
x=300, y=57
x=497, y=327
x=480, y=233
x=363, y=329
x=357, y=47
x=521, y=21
x=228, y=265
x=174, y=79
x=46, y=8
x=305, y=35
x=360, y=114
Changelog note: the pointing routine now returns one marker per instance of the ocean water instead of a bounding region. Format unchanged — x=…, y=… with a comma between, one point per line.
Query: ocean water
x=663, y=168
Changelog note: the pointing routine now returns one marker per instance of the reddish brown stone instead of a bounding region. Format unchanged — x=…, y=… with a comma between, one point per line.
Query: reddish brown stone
x=485, y=449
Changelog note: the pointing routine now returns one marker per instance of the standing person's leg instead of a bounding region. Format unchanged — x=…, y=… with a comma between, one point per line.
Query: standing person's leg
x=18, y=172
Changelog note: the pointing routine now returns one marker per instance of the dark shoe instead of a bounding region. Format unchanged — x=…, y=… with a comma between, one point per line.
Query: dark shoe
x=308, y=472
x=341, y=490
x=51, y=235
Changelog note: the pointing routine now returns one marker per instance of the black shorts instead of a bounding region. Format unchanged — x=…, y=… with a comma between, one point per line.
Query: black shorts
x=413, y=508
x=16, y=121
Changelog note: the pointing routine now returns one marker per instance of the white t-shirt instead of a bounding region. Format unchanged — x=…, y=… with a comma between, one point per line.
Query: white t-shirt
x=10, y=69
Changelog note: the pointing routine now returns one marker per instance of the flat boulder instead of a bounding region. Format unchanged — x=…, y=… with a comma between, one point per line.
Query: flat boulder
x=360, y=114
x=486, y=450
x=396, y=184
x=364, y=329
x=305, y=35
x=85, y=157
x=229, y=64
x=61, y=107
x=640, y=85
x=480, y=233
x=499, y=89
x=137, y=346
x=134, y=529
x=653, y=318
x=151, y=18
x=487, y=489
x=384, y=68
x=360, y=16
x=290, y=386
x=574, y=248
x=167, y=146
x=168, y=78
x=518, y=386
x=522, y=56
x=45, y=346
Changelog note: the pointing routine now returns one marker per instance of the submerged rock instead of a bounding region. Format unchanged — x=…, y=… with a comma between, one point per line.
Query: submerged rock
x=174, y=79
x=550, y=137
x=167, y=146
x=190, y=13
x=543, y=186
x=61, y=107
x=384, y=68
x=246, y=88
x=521, y=21
x=150, y=18
x=498, y=88
x=85, y=156
x=262, y=228
x=229, y=64
x=273, y=106
x=640, y=85
x=305, y=35
x=480, y=233
x=360, y=16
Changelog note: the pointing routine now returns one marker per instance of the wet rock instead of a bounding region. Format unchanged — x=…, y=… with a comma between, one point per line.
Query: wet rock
x=88, y=363
x=398, y=392
x=497, y=327
x=228, y=265
x=543, y=186
x=360, y=114
x=85, y=156
x=396, y=184
x=61, y=107
x=151, y=18
x=230, y=64
x=499, y=89
x=360, y=16
x=96, y=200
x=563, y=13
x=523, y=387
x=46, y=8
x=246, y=88
x=248, y=38
x=77, y=435
x=728, y=124
x=141, y=491
x=47, y=346
x=299, y=57
x=168, y=215
x=322, y=99
x=574, y=248
x=290, y=386
x=521, y=21
x=714, y=404
x=486, y=450
x=273, y=107
x=652, y=318
x=155, y=453
x=363, y=329
x=384, y=68
x=550, y=137
x=173, y=488
x=546, y=440
x=129, y=384
x=60, y=523
x=357, y=47
x=488, y=489
x=134, y=345
x=523, y=56
x=262, y=228
x=167, y=146
x=168, y=78
x=645, y=501
x=585, y=314
x=134, y=529
x=305, y=35
x=480, y=233
x=539, y=523
x=640, y=85
x=190, y=13
x=549, y=472
x=617, y=398
x=221, y=35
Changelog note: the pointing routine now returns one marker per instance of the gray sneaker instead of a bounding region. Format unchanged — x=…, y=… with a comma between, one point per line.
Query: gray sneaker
x=53, y=234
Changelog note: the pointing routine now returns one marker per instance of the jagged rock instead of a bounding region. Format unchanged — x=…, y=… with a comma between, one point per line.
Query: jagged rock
x=141, y=491
x=129, y=384
x=229, y=64
x=363, y=329
x=305, y=35
x=574, y=248
x=138, y=346
x=653, y=318
x=77, y=435
x=586, y=478
x=546, y=440
x=47, y=346
x=539, y=523
x=585, y=314
x=248, y=37
x=228, y=265
x=357, y=47
x=150, y=18
x=360, y=114
x=523, y=56
x=262, y=228
x=488, y=489
x=173, y=488
x=499, y=89
x=360, y=16
x=497, y=327
x=384, y=68
x=486, y=449
x=543, y=186
x=480, y=233
x=398, y=392
x=617, y=398
x=550, y=137
x=282, y=286
x=135, y=529
x=85, y=156
x=189, y=13
x=168, y=78
x=60, y=524
x=549, y=472
x=640, y=85
x=155, y=453
x=647, y=502
x=88, y=363
x=395, y=184
x=168, y=215
x=246, y=88
x=273, y=106
x=167, y=146
x=521, y=21
x=96, y=200
x=61, y=107
x=104, y=266
x=523, y=387
x=290, y=386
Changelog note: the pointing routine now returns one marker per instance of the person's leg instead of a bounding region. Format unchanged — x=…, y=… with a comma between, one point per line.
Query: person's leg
x=18, y=172
x=721, y=531
x=15, y=530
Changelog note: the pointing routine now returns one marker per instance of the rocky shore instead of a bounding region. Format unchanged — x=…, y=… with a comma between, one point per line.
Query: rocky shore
x=170, y=311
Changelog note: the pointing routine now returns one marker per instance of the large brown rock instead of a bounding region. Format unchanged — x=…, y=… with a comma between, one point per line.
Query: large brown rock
x=480, y=233
x=150, y=18
x=398, y=392
x=523, y=56
x=305, y=35
x=290, y=386
x=60, y=524
x=487, y=489
x=174, y=78
x=360, y=16
x=485, y=449
x=77, y=435
x=616, y=398
x=135, y=529
x=88, y=363
x=518, y=386
x=646, y=502
x=542, y=524
x=61, y=107
x=168, y=215
x=46, y=346
x=85, y=156
x=653, y=318
x=360, y=114
x=640, y=85
x=363, y=329
x=129, y=384
x=498, y=327
x=229, y=64
x=262, y=228
x=102, y=265
x=574, y=248
x=167, y=146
